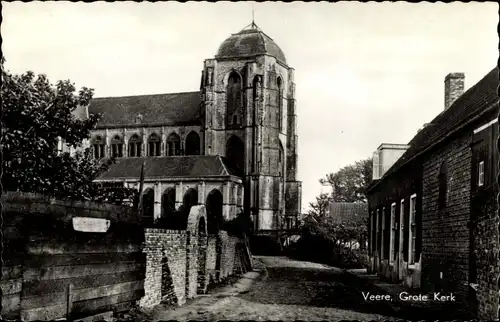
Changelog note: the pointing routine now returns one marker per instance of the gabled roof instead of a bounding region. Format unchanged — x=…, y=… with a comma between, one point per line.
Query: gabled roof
x=168, y=167
x=157, y=109
x=347, y=211
x=473, y=102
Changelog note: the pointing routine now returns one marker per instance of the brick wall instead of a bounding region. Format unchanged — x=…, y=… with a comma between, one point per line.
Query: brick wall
x=211, y=258
x=162, y=245
x=445, y=233
x=191, y=263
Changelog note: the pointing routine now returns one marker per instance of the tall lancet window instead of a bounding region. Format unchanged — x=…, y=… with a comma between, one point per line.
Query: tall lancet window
x=117, y=147
x=98, y=144
x=279, y=103
x=281, y=161
x=234, y=100
x=173, y=145
x=154, y=145
x=134, y=146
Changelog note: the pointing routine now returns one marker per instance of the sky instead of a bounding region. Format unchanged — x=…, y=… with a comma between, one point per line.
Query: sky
x=365, y=73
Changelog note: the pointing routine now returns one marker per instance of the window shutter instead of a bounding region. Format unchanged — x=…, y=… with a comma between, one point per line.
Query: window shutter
x=418, y=219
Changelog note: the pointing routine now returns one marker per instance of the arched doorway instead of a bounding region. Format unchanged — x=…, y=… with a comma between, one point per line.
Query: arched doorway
x=148, y=201
x=193, y=144
x=235, y=153
x=190, y=199
x=168, y=202
x=214, y=211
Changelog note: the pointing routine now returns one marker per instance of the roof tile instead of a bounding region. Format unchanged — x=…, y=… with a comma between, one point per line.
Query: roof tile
x=157, y=109
x=167, y=167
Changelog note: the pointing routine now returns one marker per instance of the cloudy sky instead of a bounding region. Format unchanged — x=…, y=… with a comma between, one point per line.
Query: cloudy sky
x=366, y=73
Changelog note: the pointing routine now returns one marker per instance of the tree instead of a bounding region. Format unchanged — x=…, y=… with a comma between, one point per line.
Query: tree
x=36, y=115
x=319, y=207
x=349, y=184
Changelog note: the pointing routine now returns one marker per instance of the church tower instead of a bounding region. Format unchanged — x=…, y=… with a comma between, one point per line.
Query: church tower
x=248, y=95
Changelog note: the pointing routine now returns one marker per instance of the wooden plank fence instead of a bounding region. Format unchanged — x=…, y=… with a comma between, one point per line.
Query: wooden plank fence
x=53, y=271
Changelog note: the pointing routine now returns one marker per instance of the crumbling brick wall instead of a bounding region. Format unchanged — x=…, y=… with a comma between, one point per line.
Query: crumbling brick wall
x=164, y=245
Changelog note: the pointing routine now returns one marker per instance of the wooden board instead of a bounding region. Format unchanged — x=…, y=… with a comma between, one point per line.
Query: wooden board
x=57, y=272
x=38, y=287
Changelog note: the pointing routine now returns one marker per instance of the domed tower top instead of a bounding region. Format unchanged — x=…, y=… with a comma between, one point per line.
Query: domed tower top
x=249, y=42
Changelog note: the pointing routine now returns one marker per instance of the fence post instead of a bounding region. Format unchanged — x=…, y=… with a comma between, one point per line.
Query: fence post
x=69, y=301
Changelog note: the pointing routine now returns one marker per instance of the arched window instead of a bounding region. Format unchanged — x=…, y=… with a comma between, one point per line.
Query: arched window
x=168, y=202
x=235, y=153
x=98, y=144
x=117, y=147
x=173, y=145
x=234, y=98
x=443, y=185
x=193, y=143
x=154, y=145
x=134, y=146
x=281, y=160
x=279, y=103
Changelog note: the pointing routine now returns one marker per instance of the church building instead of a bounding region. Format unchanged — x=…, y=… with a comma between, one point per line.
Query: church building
x=231, y=145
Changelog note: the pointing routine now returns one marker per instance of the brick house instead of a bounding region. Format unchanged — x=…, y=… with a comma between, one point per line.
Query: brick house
x=433, y=221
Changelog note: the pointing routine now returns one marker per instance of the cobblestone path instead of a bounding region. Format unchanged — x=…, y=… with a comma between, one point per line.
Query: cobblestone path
x=289, y=290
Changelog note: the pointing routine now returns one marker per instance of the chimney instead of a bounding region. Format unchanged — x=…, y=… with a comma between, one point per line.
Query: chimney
x=453, y=88
x=385, y=156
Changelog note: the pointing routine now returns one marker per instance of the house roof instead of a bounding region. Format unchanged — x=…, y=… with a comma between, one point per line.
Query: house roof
x=168, y=167
x=474, y=101
x=250, y=42
x=347, y=211
x=156, y=109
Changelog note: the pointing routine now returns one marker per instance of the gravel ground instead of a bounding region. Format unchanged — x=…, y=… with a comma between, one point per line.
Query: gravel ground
x=286, y=290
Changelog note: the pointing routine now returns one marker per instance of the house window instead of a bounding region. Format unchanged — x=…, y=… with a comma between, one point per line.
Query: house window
x=134, y=146
x=154, y=145
x=480, y=174
x=412, y=230
x=376, y=230
x=443, y=186
x=117, y=147
x=98, y=145
x=401, y=226
x=392, y=247
x=384, y=231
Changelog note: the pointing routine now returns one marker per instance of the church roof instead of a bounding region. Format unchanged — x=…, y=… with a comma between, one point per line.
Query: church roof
x=168, y=167
x=248, y=43
x=156, y=109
